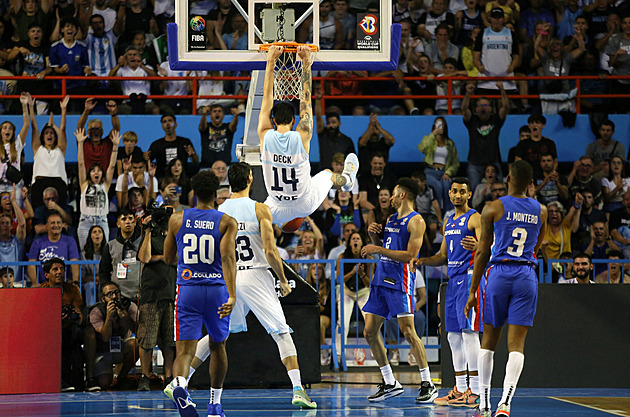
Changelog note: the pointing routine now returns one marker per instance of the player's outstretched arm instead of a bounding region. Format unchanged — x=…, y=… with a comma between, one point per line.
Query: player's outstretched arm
x=416, y=228
x=305, y=127
x=491, y=213
x=438, y=259
x=170, y=245
x=228, y=227
x=263, y=213
x=264, y=117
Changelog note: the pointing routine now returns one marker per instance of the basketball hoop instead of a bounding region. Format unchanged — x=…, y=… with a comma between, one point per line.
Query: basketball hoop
x=287, y=84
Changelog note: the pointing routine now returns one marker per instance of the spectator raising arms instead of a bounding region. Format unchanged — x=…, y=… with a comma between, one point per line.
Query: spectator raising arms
x=12, y=146
x=94, y=189
x=49, y=150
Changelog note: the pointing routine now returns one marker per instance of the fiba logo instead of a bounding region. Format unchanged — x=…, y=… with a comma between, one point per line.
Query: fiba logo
x=197, y=23
x=186, y=274
x=368, y=24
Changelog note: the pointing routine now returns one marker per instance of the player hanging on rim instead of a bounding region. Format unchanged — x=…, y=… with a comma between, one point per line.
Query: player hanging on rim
x=512, y=231
x=460, y=232
x=285, y=152
x=256, y=252
x=201, y=241
x=391, y=292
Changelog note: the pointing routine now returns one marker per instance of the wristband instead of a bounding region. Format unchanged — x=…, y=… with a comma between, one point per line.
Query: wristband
x=577, y=206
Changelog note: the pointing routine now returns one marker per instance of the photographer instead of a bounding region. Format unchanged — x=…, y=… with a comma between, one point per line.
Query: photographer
x=157, y=296
x=114, y=320
x=71, y=317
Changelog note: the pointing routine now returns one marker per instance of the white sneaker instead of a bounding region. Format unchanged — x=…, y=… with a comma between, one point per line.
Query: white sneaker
x=411, y=360
x=350, y=168
x=324, y=358
x=395, y=359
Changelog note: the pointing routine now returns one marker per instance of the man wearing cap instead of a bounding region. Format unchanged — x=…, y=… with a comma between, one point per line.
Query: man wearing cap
x=496, y=53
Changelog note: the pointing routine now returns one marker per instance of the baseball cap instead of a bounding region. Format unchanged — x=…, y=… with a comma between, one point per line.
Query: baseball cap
x=497, y=12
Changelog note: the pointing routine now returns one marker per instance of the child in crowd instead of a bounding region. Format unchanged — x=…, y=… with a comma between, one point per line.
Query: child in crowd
x=130, y=149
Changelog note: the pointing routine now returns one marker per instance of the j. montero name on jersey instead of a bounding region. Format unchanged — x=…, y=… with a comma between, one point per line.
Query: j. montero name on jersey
x=200, y=224
x=522, y=217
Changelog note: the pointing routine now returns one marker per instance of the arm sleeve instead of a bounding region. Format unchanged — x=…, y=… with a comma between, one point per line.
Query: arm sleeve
x=105, y=267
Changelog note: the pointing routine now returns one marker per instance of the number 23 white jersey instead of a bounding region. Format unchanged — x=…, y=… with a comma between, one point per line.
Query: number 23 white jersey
x=250, y=252
x=286, y=167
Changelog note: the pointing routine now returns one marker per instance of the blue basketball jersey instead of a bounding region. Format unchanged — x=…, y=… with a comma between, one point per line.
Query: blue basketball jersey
x=390, y=273
x=199, y=248
x=460, y=260
x=516, y=232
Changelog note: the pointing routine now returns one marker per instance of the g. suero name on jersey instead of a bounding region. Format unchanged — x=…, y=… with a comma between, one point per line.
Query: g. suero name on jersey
x=200, y=224
x=522, y=217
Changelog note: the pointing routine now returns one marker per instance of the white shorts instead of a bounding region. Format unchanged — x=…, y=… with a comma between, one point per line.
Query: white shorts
x=317, y=192
x=255, y=291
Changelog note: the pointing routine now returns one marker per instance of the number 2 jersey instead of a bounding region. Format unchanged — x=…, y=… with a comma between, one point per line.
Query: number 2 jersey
x=460, y=260
x=286, y=167
x=198, y=247
x=516, y=232
x=390, y=273
x=250, y=252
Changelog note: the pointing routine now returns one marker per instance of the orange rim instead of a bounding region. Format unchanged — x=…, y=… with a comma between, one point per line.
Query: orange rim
x=288, y=46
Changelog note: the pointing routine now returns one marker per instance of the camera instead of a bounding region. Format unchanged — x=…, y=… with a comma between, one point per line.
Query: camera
x=68, y=313
x=122, y=303
x=159, y=215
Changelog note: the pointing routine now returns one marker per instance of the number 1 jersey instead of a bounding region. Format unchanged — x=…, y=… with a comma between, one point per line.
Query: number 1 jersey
x=199, y=248
x=516, y=232
x=250, y=252
x=286, y=167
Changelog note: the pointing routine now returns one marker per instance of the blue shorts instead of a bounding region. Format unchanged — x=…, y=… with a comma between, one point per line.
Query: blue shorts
x=511, y=294
x=199, y=304
x=388, y=302
x=457, y=291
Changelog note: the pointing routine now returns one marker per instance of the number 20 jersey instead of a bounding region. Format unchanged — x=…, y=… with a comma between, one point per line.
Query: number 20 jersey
x=250, y=252
x=199, y=248
x=286, y=167
x=516, y=232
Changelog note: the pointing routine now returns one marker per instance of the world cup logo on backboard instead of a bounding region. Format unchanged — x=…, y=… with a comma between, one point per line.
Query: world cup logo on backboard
x=368, y=24
x=197, y=23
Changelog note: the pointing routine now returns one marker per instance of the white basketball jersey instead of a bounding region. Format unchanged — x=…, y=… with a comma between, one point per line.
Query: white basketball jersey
x=250, y=252
x=286, y=167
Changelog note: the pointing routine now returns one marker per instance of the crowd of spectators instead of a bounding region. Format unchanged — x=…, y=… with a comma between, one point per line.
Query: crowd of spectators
x=58, y=215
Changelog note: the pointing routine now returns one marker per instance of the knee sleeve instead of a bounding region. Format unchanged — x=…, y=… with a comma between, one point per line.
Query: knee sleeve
x=285, y=345
x=471, y=346
x=456, y=343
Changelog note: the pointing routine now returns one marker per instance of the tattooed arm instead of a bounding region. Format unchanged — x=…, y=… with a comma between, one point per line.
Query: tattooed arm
x=305, y=127
x=264, y=117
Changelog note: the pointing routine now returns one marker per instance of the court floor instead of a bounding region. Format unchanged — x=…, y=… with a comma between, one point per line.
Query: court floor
x=335, y=397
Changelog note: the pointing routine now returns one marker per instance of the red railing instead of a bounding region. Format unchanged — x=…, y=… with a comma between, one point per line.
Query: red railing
x=194, y=96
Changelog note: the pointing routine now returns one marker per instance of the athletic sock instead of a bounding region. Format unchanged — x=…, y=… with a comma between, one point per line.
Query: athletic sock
x=460, y=383
x=191, y=371
x=180, y=381
x=486, y=362
x=296, y=380
x=215, y=395
x=474, y=383
x=512, y=373
x=388, y=374
x=425, y=374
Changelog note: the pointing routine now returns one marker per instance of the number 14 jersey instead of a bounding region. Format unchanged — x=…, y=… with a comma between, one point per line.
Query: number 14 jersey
x=286, y=167
x=516, y=232
x=250, y=252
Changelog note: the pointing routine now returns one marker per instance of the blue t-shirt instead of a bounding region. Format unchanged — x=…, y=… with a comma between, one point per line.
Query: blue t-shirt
x=516, y=232
x=390, y=273
x=460, y=260
x=76, y=57
x=43, y=249
x=199, y=248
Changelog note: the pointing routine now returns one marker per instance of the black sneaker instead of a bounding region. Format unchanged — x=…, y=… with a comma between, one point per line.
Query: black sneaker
x=386, y=391
x=91, y=385
x=143, y=383
x=65, y=387
x=428, y=392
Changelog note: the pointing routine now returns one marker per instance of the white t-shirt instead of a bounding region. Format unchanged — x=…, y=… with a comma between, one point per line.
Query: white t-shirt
x=611, y=186
x=174, y=88
x=135, y=86
x=7, y=148
x=132, y=183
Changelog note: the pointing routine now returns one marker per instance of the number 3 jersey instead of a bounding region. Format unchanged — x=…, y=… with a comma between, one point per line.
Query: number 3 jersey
x=460, y=260
x=390, y=273
x=286, y=167
x=198, y=247
x=516, y=232
x=250, y=252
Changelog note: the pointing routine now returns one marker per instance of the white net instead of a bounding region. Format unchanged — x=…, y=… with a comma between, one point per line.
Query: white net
x=287, y=84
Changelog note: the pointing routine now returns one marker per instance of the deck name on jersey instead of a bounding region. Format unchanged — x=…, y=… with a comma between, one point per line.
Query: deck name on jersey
x=522, y=217
x=283, y=159
x=200, y=224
